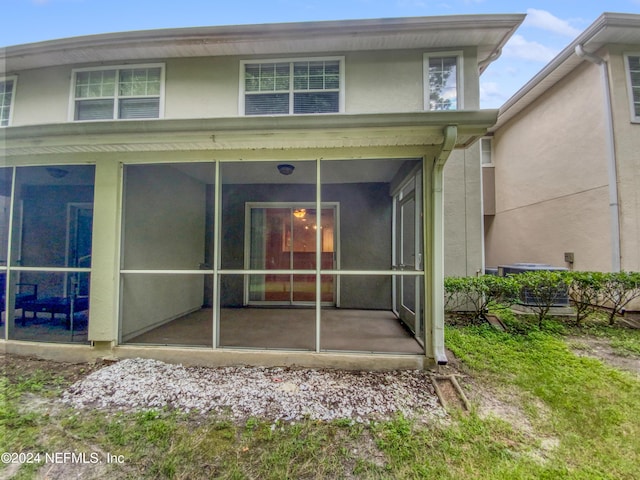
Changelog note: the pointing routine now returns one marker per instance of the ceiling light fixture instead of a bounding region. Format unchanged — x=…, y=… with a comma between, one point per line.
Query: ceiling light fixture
x=286, y=169
x=57, y=172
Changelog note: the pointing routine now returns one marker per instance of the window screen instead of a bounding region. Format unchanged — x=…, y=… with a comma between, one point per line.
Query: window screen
x=292, y=87
x=131, y=93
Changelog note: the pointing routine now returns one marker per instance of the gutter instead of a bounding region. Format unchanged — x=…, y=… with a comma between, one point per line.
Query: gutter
x=614, y=207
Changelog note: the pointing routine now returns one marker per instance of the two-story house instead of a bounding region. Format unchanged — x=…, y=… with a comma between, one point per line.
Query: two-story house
x=562, y=169
x=259, y=194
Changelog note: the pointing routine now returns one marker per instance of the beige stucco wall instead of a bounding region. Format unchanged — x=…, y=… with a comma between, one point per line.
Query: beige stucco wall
x=627, y=145
x=463, y=213
x=206, y=87
x=551, y=179
x=42, y=96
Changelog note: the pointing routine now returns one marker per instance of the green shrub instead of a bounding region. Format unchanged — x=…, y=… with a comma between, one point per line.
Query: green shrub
x=543, y=288
x=477, y=293
x=618, y=290
x=585, y=289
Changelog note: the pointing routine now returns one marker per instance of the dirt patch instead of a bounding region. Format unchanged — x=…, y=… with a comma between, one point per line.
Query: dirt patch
x=15, y=367
x=601, y=349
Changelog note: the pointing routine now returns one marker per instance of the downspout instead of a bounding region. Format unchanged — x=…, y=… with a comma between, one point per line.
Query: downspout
x=437, y=251
x=614, y=208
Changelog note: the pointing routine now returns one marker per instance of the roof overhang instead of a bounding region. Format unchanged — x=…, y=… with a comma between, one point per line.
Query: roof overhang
x=314, y=136
x=609, y=28
x=488, y=33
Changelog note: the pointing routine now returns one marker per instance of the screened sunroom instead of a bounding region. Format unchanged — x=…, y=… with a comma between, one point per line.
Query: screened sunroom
x=315, y=240
x=46, y=225
x=306, y=255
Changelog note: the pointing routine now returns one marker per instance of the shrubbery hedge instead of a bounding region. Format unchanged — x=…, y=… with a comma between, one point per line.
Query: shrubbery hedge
x=588, y=292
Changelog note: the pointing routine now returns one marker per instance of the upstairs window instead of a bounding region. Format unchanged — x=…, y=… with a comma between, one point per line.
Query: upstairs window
x=118, y=93
x=633, y=76
x=442, y=74
x=7, y=87
x=292, y=87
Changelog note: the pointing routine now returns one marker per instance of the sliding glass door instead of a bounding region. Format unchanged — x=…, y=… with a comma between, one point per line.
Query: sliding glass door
x=284, y=237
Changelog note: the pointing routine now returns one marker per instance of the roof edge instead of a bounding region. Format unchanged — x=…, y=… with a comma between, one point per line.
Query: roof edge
x=517, y=103
x=260, y=32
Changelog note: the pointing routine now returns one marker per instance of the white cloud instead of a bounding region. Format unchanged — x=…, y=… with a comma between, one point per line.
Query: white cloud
x=546, y=21
x=519, y=47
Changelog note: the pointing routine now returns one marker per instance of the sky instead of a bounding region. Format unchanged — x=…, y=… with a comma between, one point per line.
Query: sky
x=550, y=25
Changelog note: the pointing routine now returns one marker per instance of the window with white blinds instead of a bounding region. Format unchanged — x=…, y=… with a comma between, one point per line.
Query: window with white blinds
x=283, y=87
x=633, y=75
x=442, y=72
x=7, y=86
x=118, y=93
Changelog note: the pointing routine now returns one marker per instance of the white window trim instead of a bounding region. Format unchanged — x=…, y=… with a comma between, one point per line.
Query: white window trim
x=13, y=78
x=459, y=76
x=632, y=110
x=341, y=93
x=72, y=93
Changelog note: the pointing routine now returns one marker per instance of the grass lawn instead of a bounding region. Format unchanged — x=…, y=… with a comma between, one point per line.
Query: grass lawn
x=568, y=416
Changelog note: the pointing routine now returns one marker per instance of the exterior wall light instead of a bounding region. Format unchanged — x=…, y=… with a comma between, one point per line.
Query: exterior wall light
x=286, y=169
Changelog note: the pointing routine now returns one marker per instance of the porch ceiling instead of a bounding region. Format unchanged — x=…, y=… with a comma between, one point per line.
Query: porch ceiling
x=322, y=136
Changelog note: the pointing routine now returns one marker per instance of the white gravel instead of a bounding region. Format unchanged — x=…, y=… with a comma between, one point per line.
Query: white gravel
x=269, y=393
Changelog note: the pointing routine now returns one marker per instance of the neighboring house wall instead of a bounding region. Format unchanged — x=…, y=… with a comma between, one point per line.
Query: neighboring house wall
x=551, y=179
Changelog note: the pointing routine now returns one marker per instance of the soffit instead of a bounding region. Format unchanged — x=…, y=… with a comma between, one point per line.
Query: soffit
x=486, y=32
x=335, y=136
x=608, y=29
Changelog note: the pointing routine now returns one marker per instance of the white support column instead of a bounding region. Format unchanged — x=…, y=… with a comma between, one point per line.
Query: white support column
x=437, y=244
x=105, y=276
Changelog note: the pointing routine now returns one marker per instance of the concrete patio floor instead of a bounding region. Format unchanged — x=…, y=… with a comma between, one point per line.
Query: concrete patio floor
x=289, y=329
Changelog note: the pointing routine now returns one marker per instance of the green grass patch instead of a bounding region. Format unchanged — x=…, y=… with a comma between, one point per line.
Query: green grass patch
x=593, y=409
x=579, y=421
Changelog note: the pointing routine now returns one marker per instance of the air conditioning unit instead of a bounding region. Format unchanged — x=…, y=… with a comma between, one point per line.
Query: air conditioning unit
x=526, y=296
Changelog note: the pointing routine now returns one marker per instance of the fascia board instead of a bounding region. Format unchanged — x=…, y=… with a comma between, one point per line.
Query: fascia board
x=330, y=131
x=305, y=37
